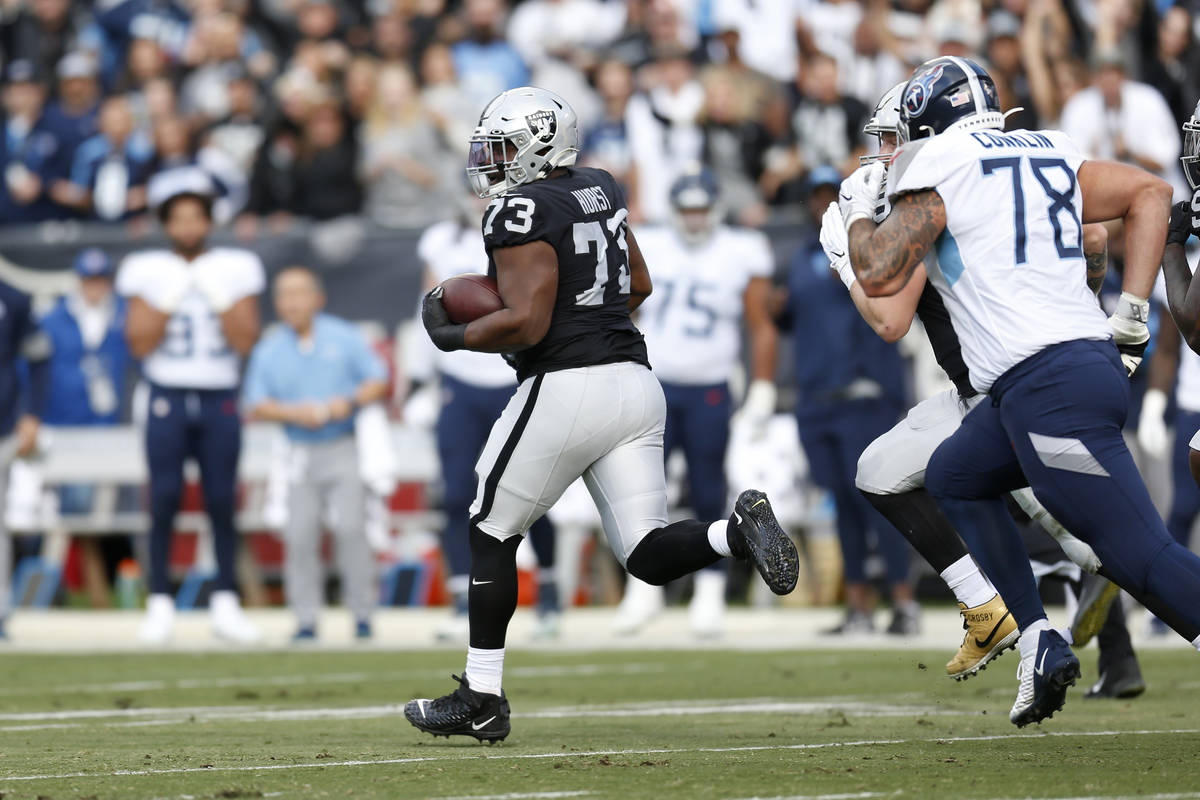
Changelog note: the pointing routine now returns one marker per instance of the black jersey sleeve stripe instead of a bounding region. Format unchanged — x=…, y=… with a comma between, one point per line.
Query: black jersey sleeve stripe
x=493, y=479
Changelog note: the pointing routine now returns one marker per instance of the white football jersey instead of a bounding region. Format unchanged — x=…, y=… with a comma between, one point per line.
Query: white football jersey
x=1187, y=387
x=193, y=354
x=450, y=249
x=1010, y=264
x=692, y=320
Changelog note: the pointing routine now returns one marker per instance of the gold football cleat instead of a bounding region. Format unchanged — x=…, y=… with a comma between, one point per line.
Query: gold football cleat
x=990, y=630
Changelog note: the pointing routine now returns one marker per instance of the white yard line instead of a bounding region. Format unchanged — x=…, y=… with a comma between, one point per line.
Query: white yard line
x=516, y=796
x=853, y=796
x=1172, y=796
x=58, y=720
x=547, y=671
x=666, y=751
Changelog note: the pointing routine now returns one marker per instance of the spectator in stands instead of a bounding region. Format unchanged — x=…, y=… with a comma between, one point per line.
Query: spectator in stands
x=404, y=166
x=735, y=144
x=446, y=100
x=870, y=69
x=22, y=343
x=391, y=37
x=146, y=61
x=1172, y=65
x=1008, y=72
x=1117, y=118
x=110, y=170
x=27, y=149
x=240, y=134
x=173, y=147
x=326, y=171
x=358, y=87
x=71, y=119
x=664, y=137
x=849, y=391
x=486, y=63
x=606, y=143
x=766, y=34
x=313, y=374
x=215, y=58
x=122, y=21
x=42, y=32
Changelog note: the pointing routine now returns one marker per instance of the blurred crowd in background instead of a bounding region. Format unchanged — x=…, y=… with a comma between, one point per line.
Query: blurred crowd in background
x=321, y=110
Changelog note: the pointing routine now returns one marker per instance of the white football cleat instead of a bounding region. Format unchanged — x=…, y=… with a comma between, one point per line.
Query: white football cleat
x=706, y=612
x=229, y=622
x=642, y=602
x=160, y=620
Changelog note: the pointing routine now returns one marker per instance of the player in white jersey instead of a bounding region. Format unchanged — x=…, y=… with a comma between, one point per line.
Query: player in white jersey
x=710, y=278
x=1005, y=214
x=193, y=315
x=472, y=390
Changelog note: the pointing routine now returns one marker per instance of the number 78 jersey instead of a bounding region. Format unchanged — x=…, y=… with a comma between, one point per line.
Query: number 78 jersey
x=582, y=215
x=1010, y=264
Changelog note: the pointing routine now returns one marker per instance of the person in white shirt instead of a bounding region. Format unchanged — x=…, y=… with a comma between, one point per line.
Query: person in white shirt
x=193, y=315
x=711, y=281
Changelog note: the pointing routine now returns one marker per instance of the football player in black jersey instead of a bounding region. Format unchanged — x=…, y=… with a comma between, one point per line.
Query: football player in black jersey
x=569, y=273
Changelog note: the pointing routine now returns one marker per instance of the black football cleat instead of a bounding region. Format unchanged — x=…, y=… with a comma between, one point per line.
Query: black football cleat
x=755, y=534
x=1122, y=680
x=463, y=712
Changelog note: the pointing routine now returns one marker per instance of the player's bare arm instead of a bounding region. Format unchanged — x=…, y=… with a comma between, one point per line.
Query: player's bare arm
x=1183, y=294
x=527, y=276
x=1119, y=191
x=764, y=336
x=891, y=317
x=886, y=256
x=640, y=285
x=1095, y=254
x=145, y=327
x=242, y=324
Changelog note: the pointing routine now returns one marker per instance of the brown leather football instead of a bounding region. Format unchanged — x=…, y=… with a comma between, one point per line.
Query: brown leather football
x=468, y=297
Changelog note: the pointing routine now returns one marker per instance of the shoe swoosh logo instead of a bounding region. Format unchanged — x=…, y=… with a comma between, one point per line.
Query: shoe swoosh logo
x=992, y=635
x=1041, y=663
x=477, y=582
x=759, y=503
x=476, y=727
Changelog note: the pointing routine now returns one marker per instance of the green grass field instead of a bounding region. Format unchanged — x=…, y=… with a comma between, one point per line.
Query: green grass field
x=630, y=724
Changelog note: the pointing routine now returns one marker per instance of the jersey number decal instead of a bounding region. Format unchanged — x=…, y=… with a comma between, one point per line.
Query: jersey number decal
x=587, y=233
x=1060, y=201
x=180, y=341
x=696, y=301
x=523, y=223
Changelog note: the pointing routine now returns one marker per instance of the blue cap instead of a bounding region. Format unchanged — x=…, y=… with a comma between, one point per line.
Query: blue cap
x=824, y=175
x=93, y=263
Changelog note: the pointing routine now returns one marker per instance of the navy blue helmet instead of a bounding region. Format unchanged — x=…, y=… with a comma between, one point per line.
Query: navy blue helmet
x=947, y=93
x=695, y=205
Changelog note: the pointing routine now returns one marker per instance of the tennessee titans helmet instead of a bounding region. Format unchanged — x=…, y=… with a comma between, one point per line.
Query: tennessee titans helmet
x=1191, y=149
x=523, y=135
x=948, y=93
x=695, y=204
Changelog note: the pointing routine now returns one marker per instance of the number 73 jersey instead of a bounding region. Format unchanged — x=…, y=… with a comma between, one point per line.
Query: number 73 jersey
x=582, y=215
x=1010, y=264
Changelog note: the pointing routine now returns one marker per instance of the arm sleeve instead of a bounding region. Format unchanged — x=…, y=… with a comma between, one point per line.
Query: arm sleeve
x=918, y=165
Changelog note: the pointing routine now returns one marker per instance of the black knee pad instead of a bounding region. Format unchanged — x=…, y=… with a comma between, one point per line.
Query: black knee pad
x=489, y=555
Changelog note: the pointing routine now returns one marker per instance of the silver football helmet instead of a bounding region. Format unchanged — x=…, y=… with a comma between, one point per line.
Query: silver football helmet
x=522, y=136
x=885, y=119
x=1191, y=149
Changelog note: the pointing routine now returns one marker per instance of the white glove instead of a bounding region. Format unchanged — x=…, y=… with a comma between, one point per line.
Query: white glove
x=1152, y=428
x=169, y=290
x=859, y=193
x=1130, y=333
x=758, y=407
x=836, y=245
x=1081, y=553
x=215, y=290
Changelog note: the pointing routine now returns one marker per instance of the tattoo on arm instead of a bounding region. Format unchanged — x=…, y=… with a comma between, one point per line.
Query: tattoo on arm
x=1097, y=265
x=885, y=256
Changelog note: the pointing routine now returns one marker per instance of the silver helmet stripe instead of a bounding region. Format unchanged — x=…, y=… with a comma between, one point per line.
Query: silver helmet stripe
x=972, y=82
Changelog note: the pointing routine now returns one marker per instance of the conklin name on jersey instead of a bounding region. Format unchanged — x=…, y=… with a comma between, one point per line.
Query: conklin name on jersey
x=692, y=321
x=1010, y=264
x=193, y=354
x=582, y=216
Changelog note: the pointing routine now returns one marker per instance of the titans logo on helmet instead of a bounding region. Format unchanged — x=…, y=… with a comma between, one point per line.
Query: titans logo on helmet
x=916, y=96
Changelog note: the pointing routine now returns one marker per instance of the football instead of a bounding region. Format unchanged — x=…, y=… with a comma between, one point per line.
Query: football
x=469, y=297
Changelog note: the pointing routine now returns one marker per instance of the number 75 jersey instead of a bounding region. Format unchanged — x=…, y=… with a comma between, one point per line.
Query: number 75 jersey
x=1010, y=264
x=582, y=215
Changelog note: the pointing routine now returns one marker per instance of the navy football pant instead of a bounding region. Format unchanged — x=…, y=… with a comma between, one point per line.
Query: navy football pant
x=467, y=416
x=1185, y=501
x=833, y=438
x=698, y=422
x=1057, y=418
x=204, y=425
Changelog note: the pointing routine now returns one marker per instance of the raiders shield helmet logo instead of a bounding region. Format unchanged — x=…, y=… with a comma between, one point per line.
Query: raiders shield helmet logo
x=543, y=124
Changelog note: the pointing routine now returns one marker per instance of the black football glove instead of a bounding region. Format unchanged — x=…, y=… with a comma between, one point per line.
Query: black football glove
x=446, y=336
x=1185, y=220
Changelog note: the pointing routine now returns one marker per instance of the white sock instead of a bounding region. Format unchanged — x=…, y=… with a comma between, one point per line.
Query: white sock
x=969, y=585
x=485, y=669
x=1196, y=643
x=718, y=539
x=1068, y=637
x=1030, y=636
